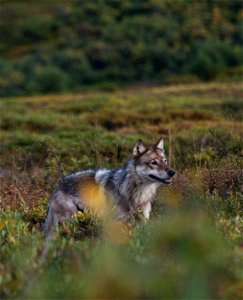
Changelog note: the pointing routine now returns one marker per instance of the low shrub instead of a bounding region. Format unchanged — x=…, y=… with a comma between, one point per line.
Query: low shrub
x=50, y=79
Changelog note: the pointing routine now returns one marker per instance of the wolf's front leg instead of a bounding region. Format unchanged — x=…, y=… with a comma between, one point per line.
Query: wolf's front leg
x=146, y=209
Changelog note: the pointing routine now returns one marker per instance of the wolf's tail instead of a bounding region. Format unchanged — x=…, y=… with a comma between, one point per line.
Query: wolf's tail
x=48, y=228
x=50, y=223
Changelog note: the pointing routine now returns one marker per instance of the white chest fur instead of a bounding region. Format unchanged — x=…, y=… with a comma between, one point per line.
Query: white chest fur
x=145, y=193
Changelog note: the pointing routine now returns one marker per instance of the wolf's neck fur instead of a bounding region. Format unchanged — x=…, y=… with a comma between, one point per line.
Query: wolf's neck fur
x=126, y=187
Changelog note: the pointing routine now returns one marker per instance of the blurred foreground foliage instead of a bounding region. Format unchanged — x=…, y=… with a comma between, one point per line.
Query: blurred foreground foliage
x=68, y=45
x=180, y=254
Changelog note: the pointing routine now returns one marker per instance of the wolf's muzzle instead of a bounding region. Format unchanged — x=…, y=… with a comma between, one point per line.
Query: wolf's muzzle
x=171, y=173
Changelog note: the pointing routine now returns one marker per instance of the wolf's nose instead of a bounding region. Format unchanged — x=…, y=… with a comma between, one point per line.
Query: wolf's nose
x=171, y=173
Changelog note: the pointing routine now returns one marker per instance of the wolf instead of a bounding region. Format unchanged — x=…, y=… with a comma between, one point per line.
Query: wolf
x=126, y=190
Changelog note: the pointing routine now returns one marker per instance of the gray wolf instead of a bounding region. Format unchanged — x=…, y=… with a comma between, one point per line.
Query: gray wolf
x=127, y=190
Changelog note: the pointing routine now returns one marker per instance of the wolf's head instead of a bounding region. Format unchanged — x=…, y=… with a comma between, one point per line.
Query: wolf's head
x=151, y=163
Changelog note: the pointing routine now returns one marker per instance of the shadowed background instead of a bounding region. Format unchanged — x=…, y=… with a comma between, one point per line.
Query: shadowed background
x=69, y=45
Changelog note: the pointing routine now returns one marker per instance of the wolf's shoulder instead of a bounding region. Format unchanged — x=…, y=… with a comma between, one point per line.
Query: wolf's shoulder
x=102, y=175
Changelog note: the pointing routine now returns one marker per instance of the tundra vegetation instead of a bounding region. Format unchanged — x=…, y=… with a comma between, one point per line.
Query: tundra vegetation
x=191, y=247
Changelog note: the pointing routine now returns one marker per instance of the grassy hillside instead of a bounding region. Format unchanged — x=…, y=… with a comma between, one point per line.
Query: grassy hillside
x=69, y=45
x=191, y=246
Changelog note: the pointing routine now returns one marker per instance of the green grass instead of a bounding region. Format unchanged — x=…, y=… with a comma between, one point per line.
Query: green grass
x=191, y=247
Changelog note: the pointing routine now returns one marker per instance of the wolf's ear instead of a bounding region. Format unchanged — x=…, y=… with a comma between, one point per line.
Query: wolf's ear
x=138, y=148
x=160, y=144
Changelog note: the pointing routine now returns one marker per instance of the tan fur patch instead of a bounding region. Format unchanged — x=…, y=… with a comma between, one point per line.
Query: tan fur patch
x=94, y=197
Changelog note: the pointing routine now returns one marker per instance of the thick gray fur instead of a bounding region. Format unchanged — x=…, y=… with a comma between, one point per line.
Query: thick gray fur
x=127, y=190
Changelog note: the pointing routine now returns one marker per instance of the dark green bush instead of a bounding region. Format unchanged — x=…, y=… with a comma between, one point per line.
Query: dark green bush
x=50, y=79
x=37, y=29
x=76, y=66
x=208, y=58
x=12, y=80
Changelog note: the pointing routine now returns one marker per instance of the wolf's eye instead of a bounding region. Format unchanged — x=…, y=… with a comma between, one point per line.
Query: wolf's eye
x=154, y=162
x=165, y=161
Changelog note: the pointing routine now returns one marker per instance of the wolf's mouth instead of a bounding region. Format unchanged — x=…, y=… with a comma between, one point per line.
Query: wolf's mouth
x=164, y=181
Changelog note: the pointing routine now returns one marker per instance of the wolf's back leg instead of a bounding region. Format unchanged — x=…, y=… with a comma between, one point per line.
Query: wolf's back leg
x=61, y=208
x=50, y=223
